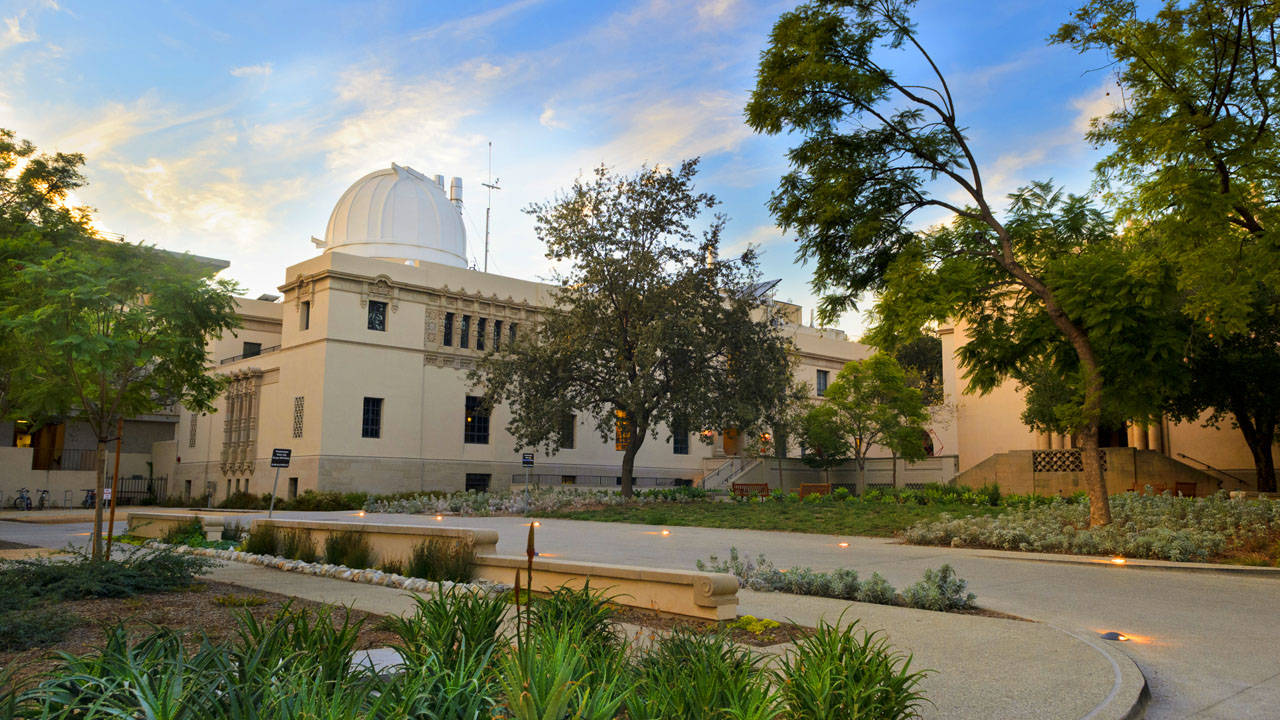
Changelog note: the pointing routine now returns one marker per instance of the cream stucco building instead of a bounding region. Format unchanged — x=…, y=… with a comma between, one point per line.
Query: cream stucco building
x=360, y=367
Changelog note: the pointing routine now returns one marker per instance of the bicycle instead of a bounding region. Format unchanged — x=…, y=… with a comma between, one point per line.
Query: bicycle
x=23, y=501
x=43, y=502
x=90, y=498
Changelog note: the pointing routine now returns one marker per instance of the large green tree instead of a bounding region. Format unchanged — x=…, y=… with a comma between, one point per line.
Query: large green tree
x=108, y=330
x=648, y=328
x=870, y=404
x=1193, y=166
x=875, y=150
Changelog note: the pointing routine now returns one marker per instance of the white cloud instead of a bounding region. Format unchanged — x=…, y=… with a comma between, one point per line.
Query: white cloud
x=549, y=120
x=474, y=24
x=252, y=70
x=716, y=9
x=13, y=33
x=757, y=237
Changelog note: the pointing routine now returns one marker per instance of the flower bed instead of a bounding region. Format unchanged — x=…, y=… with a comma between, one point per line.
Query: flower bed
x=1152, y=526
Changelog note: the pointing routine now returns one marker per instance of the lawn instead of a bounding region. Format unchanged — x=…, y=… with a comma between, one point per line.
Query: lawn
x=828, y=518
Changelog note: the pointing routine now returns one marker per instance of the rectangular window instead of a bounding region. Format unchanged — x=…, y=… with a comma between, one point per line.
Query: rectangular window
x=448, y=329
x=568, y=423
x=304, y=315
x=475, y=429
x=480, y=331
x=680, y=438
x=465, y=339
x=497, y=335
x=371, y=422
x=293, y=488
x=477, y=482
x=621, y=430
x=297, y=416
x=568, y=479
x=511, y=333
x=377, y=315
x=822, y=382
x=252, y=349
x=191, y=441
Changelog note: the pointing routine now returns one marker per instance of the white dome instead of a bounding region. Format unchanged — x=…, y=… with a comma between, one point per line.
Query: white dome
x=398, y=214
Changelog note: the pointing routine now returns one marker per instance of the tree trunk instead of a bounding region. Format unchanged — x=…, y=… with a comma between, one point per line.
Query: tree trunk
x=629, y=461
x=1260, y=437
x=100, y=460
x=1094, y=482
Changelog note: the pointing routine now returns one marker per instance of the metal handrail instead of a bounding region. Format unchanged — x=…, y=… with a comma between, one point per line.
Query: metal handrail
x=1220, y=472
x=263, y=351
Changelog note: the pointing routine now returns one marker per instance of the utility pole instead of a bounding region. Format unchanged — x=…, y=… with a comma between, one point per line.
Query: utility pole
x=489, y=186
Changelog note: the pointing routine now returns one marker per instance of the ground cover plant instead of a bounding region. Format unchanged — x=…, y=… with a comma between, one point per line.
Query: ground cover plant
x=568, y=660
x=1147, y=525
x=309, y=500
x=31, y=612
x=939, y=589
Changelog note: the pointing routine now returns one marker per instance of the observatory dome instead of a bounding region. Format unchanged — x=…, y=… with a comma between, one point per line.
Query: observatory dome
x=399, y=214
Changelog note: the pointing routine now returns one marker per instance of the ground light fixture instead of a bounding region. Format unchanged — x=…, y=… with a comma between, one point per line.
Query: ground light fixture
x=439, y=517
x=842, y=544
x=1113, y=635
x=665, y=532
x=1118, y=560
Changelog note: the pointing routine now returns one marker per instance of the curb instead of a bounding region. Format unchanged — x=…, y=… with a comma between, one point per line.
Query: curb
x=1129, y=694
x=1268, y=572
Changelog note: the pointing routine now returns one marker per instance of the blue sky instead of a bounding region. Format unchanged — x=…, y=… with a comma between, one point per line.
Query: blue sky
x=230, y=129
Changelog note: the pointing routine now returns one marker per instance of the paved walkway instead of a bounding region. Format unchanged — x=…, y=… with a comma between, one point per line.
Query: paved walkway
x=1208, y=642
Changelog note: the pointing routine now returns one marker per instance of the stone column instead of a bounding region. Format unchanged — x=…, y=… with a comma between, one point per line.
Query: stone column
x=1042, y=440
x=1140, y=436
x=1155, y=436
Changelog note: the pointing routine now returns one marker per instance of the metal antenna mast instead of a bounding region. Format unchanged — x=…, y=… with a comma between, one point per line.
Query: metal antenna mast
x=489, y=188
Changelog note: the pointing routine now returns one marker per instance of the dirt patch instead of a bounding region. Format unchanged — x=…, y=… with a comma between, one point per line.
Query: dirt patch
x=666, y=622
x=984, y=612
x=192, y=612
x=6, y=545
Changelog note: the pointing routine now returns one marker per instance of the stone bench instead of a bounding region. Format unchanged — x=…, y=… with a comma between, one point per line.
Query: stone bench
x=388, y=542
x=158, y=524
x=711, y=596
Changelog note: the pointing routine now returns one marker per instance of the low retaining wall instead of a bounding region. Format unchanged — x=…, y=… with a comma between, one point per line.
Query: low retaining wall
x=712, y=596
x=388, y=542
x=158, y=524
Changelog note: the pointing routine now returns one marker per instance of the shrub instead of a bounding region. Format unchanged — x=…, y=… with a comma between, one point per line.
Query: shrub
x=754, y=625
x=456, y=627
x=349, y=548
x=939, y=590
x=584, y=614
x=685, y=674
x=140, y=570
x=243, y=501
x=239, y=601
x=190, y=532
x=310, y=500
x=877, y=590
x=233, y=531
x=29, y=625
x=263, y=539
x=438, y=559
x=837, y=675
x=297, y=544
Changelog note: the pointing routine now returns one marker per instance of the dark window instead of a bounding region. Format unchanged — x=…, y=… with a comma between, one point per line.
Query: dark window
x=476, y=428
x=511, y=333
x=480, y=330
x=568, y=479
x=465, y=339
x=497, y=335
x=621, y=430
x=371, y=423
x=822, y=382
x=478, y=482
x=377, y=315
x=252, y=349
x=448, y=329
x=568, y=423
x=293, y=488
x=680, y=438
x=304, y=315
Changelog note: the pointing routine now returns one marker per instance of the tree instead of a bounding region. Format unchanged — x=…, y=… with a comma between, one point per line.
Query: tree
x=647, y=327
x=825, y=442
x=870, y=404
x=1193, y=166
x=872, y=148
x=921, y=358
x=111, y=330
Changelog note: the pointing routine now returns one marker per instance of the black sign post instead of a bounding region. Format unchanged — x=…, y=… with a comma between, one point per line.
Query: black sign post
x=279, y=459
x=526, y=461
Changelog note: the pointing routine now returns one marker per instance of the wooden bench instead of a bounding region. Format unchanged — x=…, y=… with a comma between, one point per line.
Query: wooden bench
x=751, y=489
x=807, y=489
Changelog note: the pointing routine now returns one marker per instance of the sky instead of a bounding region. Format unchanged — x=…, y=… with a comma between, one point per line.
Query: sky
x=230, y=129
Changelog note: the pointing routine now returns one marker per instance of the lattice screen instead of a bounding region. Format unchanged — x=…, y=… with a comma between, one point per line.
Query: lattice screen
x=191, y=441
x=1061, y=461
x=297, y=417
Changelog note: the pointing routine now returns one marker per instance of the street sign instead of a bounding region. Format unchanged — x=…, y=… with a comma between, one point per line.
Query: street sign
x=280, y=457
x=526, y=459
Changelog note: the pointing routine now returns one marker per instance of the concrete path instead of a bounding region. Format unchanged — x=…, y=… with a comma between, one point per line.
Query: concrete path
x=1207, y=642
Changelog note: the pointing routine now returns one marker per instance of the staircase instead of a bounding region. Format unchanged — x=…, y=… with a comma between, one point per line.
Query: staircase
x=723, y=475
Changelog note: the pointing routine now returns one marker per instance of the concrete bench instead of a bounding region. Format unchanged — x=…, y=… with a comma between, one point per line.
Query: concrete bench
x=711, y=596
x=158, y=524
x=388, y=542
